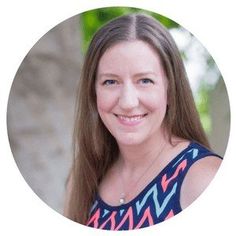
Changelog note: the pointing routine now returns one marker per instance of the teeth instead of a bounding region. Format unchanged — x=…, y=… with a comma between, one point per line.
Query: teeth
x=133, y=118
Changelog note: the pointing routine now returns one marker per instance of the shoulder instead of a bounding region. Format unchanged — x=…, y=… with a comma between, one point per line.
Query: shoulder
x=198, y=178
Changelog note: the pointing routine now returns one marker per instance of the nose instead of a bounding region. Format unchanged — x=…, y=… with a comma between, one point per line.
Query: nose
x=128, y=97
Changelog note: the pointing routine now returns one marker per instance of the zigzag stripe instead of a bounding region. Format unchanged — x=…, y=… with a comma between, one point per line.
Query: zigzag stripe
x=170, y=214
x=94, y=219
x=129, y=215
x=105, y=212
x=179, y=160
x=112, y=219
x=194, y=152
x=94, y=206
x=159, y=208
x=165, y=182
x=147, y=215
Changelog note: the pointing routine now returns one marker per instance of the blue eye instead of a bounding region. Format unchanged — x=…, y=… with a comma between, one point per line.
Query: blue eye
x=109, y=82
x=146, y=81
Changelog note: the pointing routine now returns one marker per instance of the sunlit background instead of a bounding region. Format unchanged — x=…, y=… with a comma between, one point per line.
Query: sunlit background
x=41, y=102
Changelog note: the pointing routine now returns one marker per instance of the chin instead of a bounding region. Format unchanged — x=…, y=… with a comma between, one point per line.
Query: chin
x=130, y=140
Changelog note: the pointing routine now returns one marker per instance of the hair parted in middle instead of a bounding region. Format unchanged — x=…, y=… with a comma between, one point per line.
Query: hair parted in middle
x=95, y=149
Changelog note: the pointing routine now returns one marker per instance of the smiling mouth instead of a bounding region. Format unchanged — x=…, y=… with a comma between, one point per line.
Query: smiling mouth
x=130, y=119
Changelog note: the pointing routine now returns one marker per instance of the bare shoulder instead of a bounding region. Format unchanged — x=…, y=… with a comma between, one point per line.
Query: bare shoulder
x=198, y=178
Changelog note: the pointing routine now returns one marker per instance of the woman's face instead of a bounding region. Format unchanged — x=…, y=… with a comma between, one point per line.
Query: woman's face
x=131, y=90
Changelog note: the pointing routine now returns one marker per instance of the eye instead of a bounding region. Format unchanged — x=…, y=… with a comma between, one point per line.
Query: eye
x=109, y=82
x=146, y=81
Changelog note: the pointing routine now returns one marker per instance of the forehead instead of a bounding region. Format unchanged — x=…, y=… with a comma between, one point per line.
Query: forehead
x=130, y=56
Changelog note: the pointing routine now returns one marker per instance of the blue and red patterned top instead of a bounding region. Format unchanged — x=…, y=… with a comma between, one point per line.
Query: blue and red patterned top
x=157, y=202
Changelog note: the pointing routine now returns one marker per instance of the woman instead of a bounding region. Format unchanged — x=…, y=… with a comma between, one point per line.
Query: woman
x=137, y=131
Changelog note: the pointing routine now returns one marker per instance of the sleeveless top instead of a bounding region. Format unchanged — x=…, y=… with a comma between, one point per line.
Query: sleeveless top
x=157, y=202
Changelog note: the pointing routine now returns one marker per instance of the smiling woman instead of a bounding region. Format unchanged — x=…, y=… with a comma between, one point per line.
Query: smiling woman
x=138, y=141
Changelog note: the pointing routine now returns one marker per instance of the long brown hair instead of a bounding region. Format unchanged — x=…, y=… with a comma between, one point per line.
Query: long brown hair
x=95, y=149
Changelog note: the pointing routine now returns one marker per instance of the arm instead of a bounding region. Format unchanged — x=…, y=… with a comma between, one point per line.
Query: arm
x=198, y=178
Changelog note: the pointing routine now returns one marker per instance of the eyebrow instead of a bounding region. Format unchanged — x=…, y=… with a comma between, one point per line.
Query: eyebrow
x=145, y=73
x=108, y=75
x=111, y=75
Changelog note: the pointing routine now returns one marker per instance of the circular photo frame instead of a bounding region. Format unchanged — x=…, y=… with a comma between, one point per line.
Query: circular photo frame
x=42, y=118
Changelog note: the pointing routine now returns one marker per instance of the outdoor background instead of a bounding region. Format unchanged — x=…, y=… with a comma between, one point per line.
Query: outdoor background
x=42, y=97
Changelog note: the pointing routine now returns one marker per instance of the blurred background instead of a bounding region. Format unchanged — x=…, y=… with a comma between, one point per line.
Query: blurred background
x=41, y=102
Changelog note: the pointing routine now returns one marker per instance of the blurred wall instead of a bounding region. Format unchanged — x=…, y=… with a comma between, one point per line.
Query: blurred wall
x=220, y=113
x=40, y=111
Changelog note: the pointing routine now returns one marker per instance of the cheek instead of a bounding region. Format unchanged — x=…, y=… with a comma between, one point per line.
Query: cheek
x=155, y=100
x=105, y=102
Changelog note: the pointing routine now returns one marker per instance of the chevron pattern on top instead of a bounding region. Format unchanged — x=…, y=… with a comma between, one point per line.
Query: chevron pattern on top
x=157, y=202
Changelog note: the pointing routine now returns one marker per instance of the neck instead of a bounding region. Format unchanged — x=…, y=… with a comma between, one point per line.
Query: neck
x=135, y=157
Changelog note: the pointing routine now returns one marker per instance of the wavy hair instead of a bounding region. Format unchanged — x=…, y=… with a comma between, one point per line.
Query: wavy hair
x=95, y=149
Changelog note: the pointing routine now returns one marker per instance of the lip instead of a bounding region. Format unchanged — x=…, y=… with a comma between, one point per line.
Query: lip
x=130, y=120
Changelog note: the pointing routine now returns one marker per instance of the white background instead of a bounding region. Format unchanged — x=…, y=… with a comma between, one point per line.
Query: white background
x=23, y=22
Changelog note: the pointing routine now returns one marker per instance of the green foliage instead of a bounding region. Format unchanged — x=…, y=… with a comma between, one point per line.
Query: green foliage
x=203, y=96
x=202, y=103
